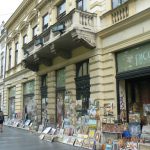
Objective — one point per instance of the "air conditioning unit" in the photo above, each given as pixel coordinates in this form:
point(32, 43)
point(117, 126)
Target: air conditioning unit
point(39, 41)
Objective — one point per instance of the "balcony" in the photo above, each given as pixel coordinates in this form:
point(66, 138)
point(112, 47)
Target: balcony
point(118, 14)
point(76, 29)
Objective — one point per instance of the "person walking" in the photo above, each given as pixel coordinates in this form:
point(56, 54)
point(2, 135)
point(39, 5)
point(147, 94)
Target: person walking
point(1, 121)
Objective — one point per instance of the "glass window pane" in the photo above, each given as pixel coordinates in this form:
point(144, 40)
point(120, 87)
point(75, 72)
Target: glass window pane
point(85, 69)
point(60, 78)
point(116, 3)
point(45, 19)
point(29, 88)
point(61, 8)
point(80, 5)
point(12, 92)
point(25, 39)
point(80, 72)
point(35, 31)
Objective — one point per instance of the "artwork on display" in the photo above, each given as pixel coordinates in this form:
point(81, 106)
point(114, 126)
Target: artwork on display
point(27, 123)
point(65, 139)
point(135, 117)
point(108, 147)
point(59, 109)
point(92, 123)
point(112, 120)
point(41, 127)
point(47, 130)
point(146, 109)
point(71, 140)
point(61, 132)
point(108, 109)
point(91, 133)
point(78, 142)
point(78, 105)
point(66, 123)
point(135, 129)
point(115, 145)
point(104, 120)
point(86, 143)
point(132, 145)
point(42, 136)
point(52, 131)
point(98, 136)
point(91, 144)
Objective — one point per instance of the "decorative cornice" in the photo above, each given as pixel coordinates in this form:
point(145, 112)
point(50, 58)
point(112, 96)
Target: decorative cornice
point(17, 12)
point(16, 74)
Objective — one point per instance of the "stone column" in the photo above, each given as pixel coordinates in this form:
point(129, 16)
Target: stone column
point(18, 100)
point(70, 80)
point(37, 98)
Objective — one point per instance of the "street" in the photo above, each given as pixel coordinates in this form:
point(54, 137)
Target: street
point(18, 139)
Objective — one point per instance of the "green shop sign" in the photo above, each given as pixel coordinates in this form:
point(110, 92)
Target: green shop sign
point(134, 58)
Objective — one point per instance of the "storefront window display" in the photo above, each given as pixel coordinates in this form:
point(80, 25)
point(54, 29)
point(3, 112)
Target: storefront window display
point(28, 101)
point(60, 95)
point(44, 100)
point(82, 86)
point(12, 93)
point(133, 84)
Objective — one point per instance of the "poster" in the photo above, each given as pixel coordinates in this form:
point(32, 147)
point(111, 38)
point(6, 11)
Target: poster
point(108, 109)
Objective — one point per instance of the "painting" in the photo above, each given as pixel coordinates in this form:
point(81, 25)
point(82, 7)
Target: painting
point(108, 109)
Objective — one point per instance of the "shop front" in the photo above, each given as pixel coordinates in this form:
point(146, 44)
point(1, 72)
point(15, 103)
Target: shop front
point(60, 95)
point(44, 99)
point(133, 86)
point(11, 104)
point(28, 101)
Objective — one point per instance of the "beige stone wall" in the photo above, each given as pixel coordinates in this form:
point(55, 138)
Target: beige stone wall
point(102, 80)
point(70, 74)
point(37, 97)
point(17, 81)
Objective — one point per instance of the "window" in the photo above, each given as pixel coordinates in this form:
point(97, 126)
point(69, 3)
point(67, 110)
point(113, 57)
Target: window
point(35, 31)
point(45, 21)
point(2, 61)
point(9, 63)
point(82, 5)
point(25, 39)
point(44, 99)
point(61, 9)
point(16, 53)
point(83, 85)
point(116, 3)
point(60, 95)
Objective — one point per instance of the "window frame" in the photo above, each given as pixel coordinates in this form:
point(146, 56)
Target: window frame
point(25, 37)
point(60, 15)
point(16, 52)
point(45, 26)
point(77, 2)
point(9, 61)
point(34, 31)
point(83, 86)
point(2, 62)
point(117, 4)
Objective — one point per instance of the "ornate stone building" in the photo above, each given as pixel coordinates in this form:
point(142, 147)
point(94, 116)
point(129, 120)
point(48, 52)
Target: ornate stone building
point(58, 48)
point(2, 63)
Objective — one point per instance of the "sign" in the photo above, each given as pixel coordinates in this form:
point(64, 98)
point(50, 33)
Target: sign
point(58, 28)
point(134, 58)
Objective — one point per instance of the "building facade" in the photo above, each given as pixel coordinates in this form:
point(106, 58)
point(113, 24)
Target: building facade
point(125, 51)
point(68, 49)
point(2, 63)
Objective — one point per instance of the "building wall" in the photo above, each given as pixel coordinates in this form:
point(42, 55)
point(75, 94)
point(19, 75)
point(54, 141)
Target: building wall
point(2, 63)
point(111, 38)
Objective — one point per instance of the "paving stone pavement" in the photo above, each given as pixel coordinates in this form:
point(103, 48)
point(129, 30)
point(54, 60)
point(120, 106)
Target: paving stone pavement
point(18, 139)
